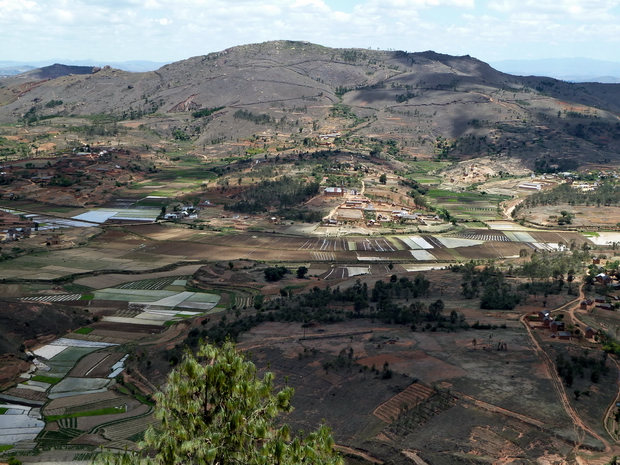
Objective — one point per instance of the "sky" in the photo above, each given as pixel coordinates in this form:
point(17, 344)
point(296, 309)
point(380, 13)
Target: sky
point(173, 30)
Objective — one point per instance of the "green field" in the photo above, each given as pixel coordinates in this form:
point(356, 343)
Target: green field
point(91, 413)
point(84, 330)
point(73, 354)
point(467, 205)
point(46, 379)
point(424, 166)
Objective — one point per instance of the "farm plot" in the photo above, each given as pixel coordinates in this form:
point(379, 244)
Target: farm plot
point(155, 284)
point(416, 242)
point(132, 295)
point(133, 409)
point(200, 301)
point(160, 299)
point(340, 272)
point(68, 405)
point(77, 260)
point(454, 242)
point(18, 423)
point(565, 237)
point(484, 236)
point(53, 298)
point(325, 245)
point(121, 430)
point(519, 236)
point(115, 280)
point(67, 349)
point(422, 255)
point(507, 226)
point(403, 401)
point(487, 250)
point(604, 238)
point(467, 205)
point(78, 386)
point(96, 365)
point(101, 215)
point(158, 312)
point(375, 245)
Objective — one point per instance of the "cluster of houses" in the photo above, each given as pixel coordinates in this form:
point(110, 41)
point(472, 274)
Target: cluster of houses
point(186, 211)
point(384, 211)
point(598, 302)
point(15, 234)
point(556, 328)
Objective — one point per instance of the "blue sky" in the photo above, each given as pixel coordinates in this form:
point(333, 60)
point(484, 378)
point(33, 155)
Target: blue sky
point(171, 30)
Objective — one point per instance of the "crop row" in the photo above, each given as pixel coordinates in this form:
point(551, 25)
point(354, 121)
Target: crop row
point(155, 284)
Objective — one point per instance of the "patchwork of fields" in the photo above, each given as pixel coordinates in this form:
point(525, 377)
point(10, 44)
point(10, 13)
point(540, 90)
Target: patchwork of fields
point(71, 396)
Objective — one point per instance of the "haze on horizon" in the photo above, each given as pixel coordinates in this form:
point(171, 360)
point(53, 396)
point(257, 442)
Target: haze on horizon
point(172, 30)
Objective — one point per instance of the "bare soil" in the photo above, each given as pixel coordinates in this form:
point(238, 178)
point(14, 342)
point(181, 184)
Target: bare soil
point(584, 216)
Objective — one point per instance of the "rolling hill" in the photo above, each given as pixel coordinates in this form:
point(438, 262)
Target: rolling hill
point(427, 102)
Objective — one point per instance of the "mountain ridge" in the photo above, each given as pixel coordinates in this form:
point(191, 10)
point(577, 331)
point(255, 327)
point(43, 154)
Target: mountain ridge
point(415, 98)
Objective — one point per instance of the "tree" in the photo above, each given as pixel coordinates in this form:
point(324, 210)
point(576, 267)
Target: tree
point(301, 272)
point(275, 273)
point(383, 179)
point(214, 409)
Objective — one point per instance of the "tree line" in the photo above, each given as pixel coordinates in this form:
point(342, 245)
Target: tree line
point(488, 282)
point(283, 194)
point(607, 194)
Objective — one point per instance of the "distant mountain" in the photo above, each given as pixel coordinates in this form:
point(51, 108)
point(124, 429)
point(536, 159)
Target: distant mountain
point(566, 69)
point(14, 70)
point(55, 71)
point(9, 68)
point(431, 104)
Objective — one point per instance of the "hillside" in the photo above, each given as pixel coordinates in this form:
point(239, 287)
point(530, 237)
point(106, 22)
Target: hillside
point(427, 102)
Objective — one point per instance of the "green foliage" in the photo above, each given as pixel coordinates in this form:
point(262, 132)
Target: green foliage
point(261, 118)
point(53, 103)
point(179, 134)
point(400, 98)
point(283, 193)
point(206, 112)
point(214, 409)
point(275, 273)
point(340, 110)
point(496, 294)
point(577, 365)
point(607, 194)
point(60, 180)
point(353, 55)
point(302, 271)
point(544, 265)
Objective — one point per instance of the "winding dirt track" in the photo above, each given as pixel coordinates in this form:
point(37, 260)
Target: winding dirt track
point(581, 427)
point(610, 409)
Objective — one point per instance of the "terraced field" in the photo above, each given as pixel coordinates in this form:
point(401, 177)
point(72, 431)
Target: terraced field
point(403, 401)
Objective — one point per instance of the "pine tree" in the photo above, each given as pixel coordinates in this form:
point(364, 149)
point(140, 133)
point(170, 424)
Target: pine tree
point(215, 410)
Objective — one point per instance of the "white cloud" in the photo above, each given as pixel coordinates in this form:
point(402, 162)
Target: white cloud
point(140, 29)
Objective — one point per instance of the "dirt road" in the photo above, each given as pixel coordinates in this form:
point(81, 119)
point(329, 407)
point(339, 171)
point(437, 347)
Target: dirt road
point(581, 427)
